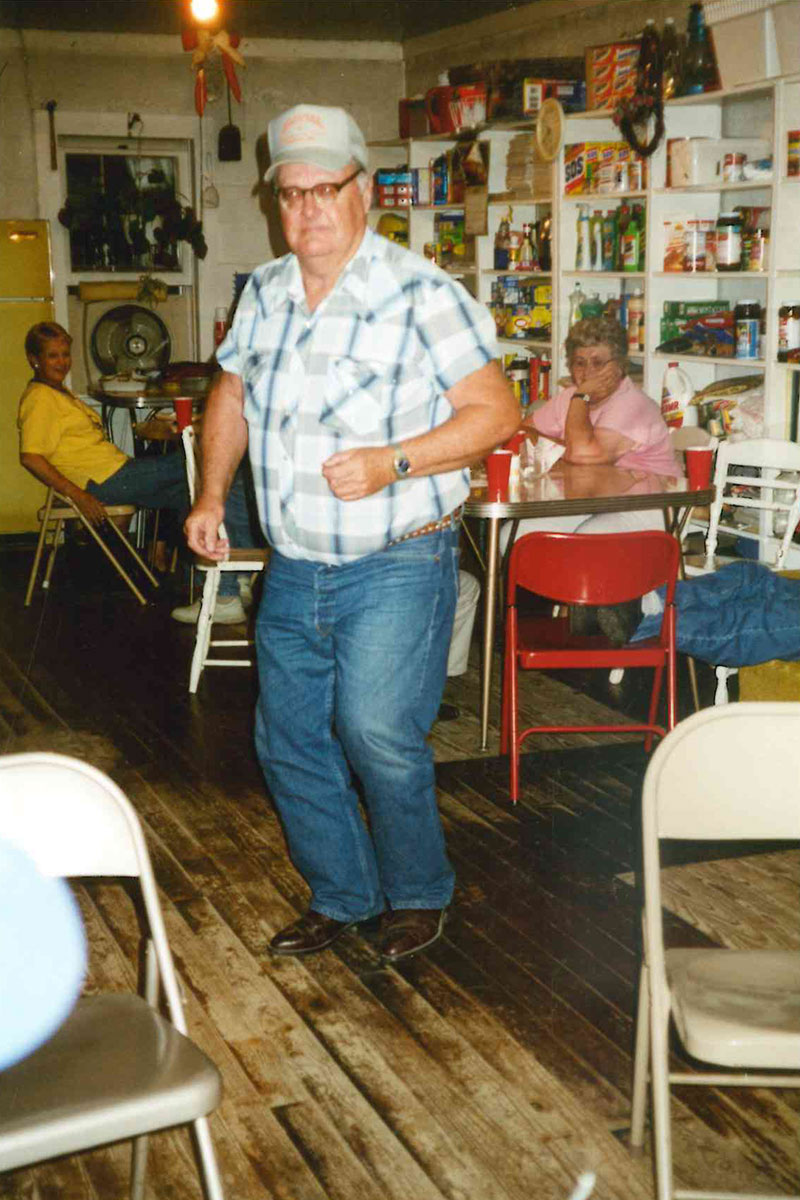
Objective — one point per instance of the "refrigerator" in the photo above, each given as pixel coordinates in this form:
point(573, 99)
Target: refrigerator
point(26, 296)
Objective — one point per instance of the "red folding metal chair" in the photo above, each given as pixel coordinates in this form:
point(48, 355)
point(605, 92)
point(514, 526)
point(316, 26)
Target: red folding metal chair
point(580, 568)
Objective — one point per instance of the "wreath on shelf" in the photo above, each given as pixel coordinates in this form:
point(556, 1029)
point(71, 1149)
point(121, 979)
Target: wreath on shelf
point(633, 115)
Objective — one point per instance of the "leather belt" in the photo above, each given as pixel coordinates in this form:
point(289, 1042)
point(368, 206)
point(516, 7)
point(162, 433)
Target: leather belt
point(452, 518)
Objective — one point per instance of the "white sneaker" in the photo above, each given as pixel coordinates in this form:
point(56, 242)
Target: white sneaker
point(228, 610)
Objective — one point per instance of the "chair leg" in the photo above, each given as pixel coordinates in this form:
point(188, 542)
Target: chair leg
point(37, 558)
point(139, 1166)
point(208, 1160)
point(722, 674)
point(58, 533)
point(204, 621)
point(641, 1062)
point(116, 565)
point(659, 1070)
point(126, 542)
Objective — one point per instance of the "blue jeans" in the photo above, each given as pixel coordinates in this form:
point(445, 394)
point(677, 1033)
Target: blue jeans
point(153, 481)
point(352, 663)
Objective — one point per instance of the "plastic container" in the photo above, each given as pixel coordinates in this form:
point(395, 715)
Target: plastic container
point(636, 323)
point(729, 242)
point(583, 249)
point(676, 398)
point(747, 315)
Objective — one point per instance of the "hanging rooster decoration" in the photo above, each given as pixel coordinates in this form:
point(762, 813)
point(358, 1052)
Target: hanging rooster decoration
point(203, 44)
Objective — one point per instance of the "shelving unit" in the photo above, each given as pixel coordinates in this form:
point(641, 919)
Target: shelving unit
point(532, 205)
point(767, 110)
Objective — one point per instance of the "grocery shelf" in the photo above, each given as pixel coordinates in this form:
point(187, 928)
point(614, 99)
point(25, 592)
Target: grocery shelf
point(709, 360)
point(603, 274)
point(745, 185)
point(517, 274)
point(756, 276)
point(596, 197)
point(525, 343)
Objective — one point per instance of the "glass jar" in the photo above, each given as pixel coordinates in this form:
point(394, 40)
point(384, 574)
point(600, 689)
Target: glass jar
point(729, 242)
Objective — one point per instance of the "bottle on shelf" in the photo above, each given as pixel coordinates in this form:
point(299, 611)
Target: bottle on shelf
point(502, 242)
point(623, 217)
point(610, 238)
point(593, 306)
point(635, 309)
point(676, 398)
point(631, 244)
point(728, 241)
point(788, 330)
point(583, 249)
point(528, 258)
point(650, 62)
point(672, 51)
point(543, 240)
point(577, 299)
point(699, 67)
point(747, 315)
point(596, 239)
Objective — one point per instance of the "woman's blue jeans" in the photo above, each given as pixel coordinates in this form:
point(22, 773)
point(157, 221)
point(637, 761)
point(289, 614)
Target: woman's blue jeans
point(352, 663)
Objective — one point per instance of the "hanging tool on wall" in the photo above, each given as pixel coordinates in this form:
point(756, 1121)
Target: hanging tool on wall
point(51, 116)
point(229, 144)
point(203, 43)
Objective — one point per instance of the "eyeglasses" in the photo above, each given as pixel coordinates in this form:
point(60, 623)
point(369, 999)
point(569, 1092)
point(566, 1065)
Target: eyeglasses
point(591, 364)
point(325, 194)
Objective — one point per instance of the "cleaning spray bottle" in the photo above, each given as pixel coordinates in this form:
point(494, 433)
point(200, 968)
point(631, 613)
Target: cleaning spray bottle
point(583, 251)
point(577, 299)
point(676, 398)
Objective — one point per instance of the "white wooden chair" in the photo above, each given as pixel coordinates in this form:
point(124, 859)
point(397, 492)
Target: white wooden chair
point(116, 1069)
point(722, 774)
point(59, 509)
point(750, 517)
point(239, 559)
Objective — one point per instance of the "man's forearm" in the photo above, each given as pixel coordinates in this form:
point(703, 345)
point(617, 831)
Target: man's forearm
point(224, 437)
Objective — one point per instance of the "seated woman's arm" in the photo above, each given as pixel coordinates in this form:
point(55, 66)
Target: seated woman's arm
point(47, 474)
point(587, 443)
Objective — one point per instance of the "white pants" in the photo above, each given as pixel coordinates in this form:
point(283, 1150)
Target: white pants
point(623, 522)
point(469, 591)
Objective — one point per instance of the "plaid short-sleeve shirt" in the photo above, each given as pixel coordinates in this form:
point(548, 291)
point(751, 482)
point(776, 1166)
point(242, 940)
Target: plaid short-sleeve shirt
point(369, 367)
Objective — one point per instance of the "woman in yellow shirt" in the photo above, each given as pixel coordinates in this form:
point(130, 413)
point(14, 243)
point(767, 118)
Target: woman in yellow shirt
point(63, 444)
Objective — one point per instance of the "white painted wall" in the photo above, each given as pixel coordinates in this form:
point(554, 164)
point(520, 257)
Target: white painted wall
point(98, 79)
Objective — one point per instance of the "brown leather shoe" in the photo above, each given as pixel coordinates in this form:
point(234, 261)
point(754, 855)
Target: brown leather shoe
point(308, 934)
point(409, 930)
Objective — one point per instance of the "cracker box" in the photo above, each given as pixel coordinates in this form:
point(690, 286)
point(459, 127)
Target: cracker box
point(610, 73)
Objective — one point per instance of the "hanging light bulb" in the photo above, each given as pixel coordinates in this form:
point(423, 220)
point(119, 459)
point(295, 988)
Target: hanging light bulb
point(204, 10)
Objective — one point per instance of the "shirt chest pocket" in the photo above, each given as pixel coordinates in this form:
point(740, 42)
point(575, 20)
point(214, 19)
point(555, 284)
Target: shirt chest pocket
point(365, 397)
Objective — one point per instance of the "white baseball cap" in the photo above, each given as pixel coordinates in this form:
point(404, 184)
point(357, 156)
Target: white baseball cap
point(324, 137)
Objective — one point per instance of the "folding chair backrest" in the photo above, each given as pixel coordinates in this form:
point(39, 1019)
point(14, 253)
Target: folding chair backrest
point(770, 456)
point(730, 772)
point(588, 568)
point(74, 821)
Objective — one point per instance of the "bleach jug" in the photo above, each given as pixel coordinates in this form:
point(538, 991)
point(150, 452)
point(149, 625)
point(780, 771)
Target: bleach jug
point(676, 398)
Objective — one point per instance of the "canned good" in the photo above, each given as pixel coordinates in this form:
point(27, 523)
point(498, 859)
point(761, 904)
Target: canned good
point(621, 183)
point(635, 175)
point(747, 315)
point(793, 152)
point(733, 167)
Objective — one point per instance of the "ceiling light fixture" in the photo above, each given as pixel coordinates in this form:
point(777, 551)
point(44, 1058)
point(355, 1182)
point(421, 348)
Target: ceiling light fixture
point(204, 11)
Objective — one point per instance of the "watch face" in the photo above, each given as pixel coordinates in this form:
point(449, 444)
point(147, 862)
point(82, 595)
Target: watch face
point(401, 465)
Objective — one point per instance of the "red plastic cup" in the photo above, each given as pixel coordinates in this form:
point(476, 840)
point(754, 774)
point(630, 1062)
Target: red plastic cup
point(698, 467)
point(498, 471)
point(183, 411)
point(515, 441)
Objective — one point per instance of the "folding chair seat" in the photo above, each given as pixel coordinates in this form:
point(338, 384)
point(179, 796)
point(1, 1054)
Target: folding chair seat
point(745, 507)
point(723, 774)
point(581, 568)
point(59, 509)
point(116, 1069)
point(239, 559)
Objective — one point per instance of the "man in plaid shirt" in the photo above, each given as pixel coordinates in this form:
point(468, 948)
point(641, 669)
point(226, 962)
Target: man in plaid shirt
point(363, 379)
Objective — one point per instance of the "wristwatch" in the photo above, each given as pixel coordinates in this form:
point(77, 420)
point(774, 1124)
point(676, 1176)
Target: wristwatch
point(587, 399)
point(402, 467)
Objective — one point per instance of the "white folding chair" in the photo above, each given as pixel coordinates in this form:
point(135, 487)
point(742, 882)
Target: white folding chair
point(56, 511)
point(750, 516)
point(724, 773)
point(239, 559)
point(116, 1069)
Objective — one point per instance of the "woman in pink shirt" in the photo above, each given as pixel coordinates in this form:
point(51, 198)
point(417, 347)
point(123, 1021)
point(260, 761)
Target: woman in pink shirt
point(603, 419)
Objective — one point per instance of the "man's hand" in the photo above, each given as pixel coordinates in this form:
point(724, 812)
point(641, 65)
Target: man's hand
point(90, 506)
point(202, 530)
point(353, 474)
